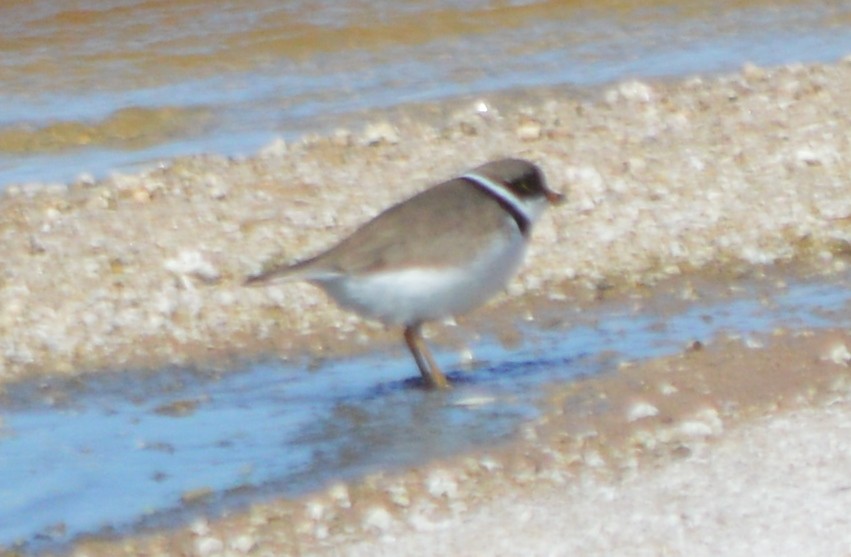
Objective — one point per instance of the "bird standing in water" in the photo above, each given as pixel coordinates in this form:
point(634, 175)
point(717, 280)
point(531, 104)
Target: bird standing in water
point(440, 253)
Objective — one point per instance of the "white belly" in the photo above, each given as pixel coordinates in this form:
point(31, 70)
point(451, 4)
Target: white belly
point(425, 294)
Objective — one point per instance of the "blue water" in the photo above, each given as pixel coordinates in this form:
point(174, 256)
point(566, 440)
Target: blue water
point(119, 450)
point(251, 93)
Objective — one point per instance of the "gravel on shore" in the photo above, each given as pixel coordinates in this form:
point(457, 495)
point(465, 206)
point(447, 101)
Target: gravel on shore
point(146, 270)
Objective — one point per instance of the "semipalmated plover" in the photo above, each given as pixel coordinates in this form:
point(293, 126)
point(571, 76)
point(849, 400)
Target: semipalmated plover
point(440, 253)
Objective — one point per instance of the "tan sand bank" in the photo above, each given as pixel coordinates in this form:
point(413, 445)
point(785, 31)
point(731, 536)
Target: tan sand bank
point(146, 270)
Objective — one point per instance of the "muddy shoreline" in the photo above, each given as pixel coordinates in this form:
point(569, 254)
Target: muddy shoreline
point(665, 180)
point(596, 436)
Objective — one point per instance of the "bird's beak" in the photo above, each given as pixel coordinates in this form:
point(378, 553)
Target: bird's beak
point(554, 197)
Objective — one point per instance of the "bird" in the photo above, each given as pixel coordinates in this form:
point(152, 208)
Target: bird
point(440, 253)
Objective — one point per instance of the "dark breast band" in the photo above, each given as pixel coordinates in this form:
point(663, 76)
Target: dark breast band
point(516, 213)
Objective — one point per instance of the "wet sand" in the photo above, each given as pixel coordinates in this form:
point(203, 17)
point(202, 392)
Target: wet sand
point(665, 179)
point(746, 465)
point(720, 449)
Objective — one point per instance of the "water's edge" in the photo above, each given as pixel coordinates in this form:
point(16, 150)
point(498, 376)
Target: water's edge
point(141, 449)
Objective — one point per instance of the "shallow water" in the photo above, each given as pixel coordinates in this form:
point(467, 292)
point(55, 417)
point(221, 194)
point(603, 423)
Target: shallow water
point(91, 86)
point(124, 450)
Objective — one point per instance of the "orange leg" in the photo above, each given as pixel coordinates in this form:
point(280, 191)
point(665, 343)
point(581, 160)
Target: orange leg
point(434, 378)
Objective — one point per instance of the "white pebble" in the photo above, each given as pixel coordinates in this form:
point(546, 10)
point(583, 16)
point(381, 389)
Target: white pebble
point(208, 546)
point(340, 494)
point(86, 178)
point(380, 132)
point(440, 483)
point(191, 262)
point(377, 519)
point(243, 544)
point(705, 423)
point(216, 187)
point(668, 389)
point(481, 106)
point(694, 428)
point(807, 156)
point(466, 357)
point(489, 464)
point(754, 343)
point(315, 509)
point(838, 354)
point(636, 91)
point(639, 410)
point(276, 148)
point(200, 527)
point(399, 495)
point(529, 131)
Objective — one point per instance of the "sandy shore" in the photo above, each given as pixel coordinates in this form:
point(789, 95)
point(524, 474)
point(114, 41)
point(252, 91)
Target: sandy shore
point(146, 270)
point(663, 180)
